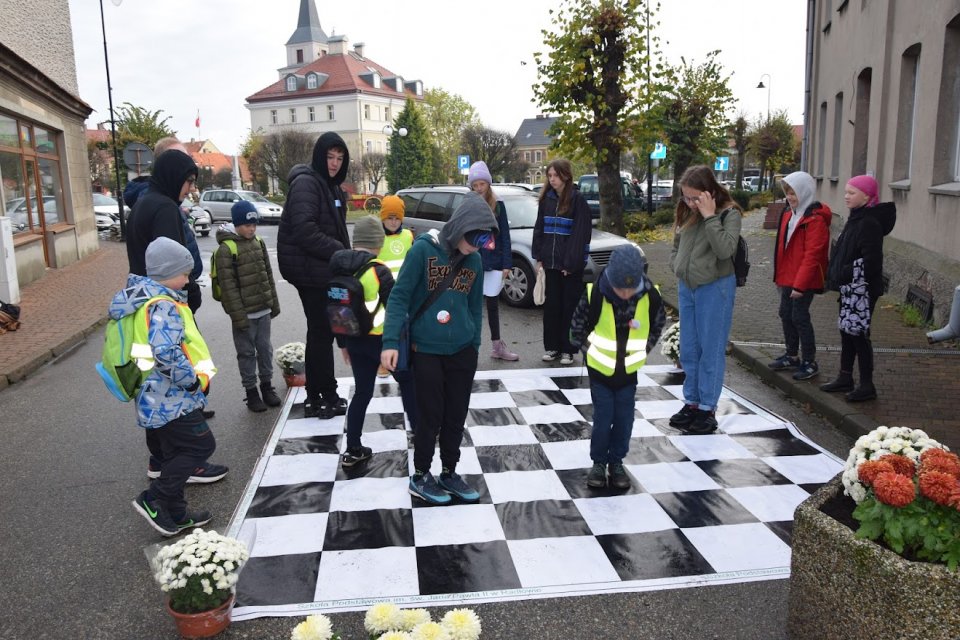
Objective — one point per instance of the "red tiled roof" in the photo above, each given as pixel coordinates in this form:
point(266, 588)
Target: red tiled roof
point(220, 161)
point(193, 147)
point(98, 135)
point(798, 131)
point(343, 73)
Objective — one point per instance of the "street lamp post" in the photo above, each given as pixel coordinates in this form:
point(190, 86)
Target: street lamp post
point(113, 127)
point(402, 132)
point(767, 87)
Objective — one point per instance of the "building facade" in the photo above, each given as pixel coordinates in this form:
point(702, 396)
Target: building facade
point(328, 86)
point(44, 172)
point(885, 100)
point(533, 144)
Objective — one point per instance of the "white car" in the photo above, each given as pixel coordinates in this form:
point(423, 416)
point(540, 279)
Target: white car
point(107, 211)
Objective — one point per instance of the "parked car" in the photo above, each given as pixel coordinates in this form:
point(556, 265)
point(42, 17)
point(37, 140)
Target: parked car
point(217, 202)
point(590, 189)
point(430, 208)
point(17, 212)
point(199, 219)
point(662, 194)
point(106, 210)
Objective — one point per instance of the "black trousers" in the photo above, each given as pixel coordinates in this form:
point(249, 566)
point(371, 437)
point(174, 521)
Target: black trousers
point(185, 444)
point(318, 360)
point(859, 349)
point(443, 385)
point(562, 295)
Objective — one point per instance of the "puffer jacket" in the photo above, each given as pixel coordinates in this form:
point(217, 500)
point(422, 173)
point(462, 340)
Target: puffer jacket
point(500, 257)
point(313, 225)
point(801, 262)
point(556, 243)
point(170, 390)
point(246, 283)
point(703, 251)
point(862, 237)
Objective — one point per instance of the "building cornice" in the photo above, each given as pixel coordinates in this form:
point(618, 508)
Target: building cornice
point(32, 79)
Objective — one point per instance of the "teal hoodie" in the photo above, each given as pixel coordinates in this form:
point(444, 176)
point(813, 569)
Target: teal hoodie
point(455, 319)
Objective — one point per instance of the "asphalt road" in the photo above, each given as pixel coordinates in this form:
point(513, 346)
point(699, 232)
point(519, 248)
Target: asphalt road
point(73, 550)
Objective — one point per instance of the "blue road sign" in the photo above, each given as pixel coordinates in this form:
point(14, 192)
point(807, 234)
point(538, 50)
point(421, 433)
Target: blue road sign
point(463, 162)
point(659, 152)
point(722, 164)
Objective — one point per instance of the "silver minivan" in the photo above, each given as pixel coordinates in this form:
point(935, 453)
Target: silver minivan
point(218, 202)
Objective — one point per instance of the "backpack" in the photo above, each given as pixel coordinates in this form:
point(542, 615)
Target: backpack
point(346, 307)
point(214, 280)
point(117, 368)
point(741, 259)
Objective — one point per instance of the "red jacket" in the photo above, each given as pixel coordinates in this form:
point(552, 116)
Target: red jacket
point(802, 262)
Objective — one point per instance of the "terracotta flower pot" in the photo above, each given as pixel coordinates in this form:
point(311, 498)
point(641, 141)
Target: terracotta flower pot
point(295, 379)
point(205, 624)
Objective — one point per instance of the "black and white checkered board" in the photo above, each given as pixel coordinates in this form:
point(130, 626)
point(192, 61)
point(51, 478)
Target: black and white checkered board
point(703, 509)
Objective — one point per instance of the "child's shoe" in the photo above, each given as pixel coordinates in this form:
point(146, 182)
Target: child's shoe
point(618, 476)
point(866, 391)
point(452, 483)
point(156, 514)
point(254, 403)
point(550, 356)
point(425, 487)
point(683, 417)
point(311, 407)
point(194, 519)
point(208, 473)
point(500, 352)
point(597, 477)
point(269, 394)
point(843, 382)
point(335, 406)
point(806, 370)
point(566, 359)
point(383, 372)
point(351, 457)
point(785, 362)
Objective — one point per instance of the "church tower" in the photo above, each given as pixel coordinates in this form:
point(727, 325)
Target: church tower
point(308, 42)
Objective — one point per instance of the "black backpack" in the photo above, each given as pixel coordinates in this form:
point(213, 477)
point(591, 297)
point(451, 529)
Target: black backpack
point(741, 259)
point(346, 308)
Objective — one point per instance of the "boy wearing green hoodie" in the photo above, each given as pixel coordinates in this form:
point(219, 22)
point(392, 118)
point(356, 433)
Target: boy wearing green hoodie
point(445, 340)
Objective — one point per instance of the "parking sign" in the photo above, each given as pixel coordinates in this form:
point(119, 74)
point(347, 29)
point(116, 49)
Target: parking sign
point(463, 162)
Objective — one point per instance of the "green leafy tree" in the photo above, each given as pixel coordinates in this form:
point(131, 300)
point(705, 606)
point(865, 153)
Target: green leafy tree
point(446, 116)
point(248, 149)
point(497, 148)
point(223, 178)
point(598, 62)
point(738, 133)
point(410, 159)
point(136, 124)
point(100, 159)
point(771, 141)
point(691, 111)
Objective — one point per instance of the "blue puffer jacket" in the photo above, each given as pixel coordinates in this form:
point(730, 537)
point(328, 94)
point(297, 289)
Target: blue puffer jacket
point(164, 395)
point(501, 256)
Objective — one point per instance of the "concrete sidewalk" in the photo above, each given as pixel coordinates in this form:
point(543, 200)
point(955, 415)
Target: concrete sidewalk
point(917, 383)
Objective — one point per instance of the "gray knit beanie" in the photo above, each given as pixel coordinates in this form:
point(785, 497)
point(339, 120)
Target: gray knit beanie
point(167, 258)
point(626, 267)
point(368, 233)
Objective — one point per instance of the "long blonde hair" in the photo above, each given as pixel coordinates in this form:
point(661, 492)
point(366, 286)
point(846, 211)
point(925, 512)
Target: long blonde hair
point(701, 178)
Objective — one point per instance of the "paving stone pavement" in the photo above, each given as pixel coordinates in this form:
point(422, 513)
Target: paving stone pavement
point(917, 383)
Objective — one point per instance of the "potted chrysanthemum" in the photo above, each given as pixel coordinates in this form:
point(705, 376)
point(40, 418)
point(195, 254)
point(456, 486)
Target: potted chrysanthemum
point(886, 530)
point(387, 621)
point(199, 573)
point(670, 344)
point(291, 360)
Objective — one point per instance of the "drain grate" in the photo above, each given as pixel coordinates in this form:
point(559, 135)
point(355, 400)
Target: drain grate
point(922, 300)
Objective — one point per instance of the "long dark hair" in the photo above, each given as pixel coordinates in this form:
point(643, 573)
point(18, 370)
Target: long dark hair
point(563, 169)
point(701, 178)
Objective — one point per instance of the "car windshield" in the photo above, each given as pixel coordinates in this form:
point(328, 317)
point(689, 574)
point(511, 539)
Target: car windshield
point(100, 200)
point(521, 210)
point(252, 197)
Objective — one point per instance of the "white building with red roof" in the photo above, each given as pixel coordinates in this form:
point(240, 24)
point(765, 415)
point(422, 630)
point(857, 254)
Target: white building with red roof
point(327, 86)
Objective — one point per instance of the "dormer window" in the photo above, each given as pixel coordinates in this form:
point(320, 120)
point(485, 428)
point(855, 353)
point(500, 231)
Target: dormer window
point(291, 83)
point(312, 81)
point(376, 80)
point(419, 90)
point(399, 84)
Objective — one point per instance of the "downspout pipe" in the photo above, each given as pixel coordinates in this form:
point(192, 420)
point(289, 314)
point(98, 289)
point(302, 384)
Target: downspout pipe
point(808, 85)
point(952, 330)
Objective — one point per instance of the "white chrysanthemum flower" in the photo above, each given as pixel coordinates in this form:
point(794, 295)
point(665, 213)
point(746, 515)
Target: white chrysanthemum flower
point(409, 618)
point(429, 631)
point(462, 624)
point(315, 627)
point(382, 617)
point(395, 635)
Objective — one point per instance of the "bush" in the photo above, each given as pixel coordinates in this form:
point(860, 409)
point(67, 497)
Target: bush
point(665, 214)
point(760, 200)
point(741, 197)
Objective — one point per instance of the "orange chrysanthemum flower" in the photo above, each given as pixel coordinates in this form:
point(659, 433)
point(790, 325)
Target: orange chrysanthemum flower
point(939, 486)
point(893, 489)
point(868, 470)
point(901, 464)
point(942, 461)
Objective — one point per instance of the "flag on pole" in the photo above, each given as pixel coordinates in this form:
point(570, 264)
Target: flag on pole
point(197, 123)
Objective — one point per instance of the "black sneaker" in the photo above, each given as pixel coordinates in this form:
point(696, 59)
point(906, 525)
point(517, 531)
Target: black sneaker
point(351, 457)
point(311, 407)
point(254, 402)
point(194, 519)
point(806, 370)
point(784, 362)
point(331, 408)
point(208, 473)
point(452, 483)
point(270, 396)
point(156, 515)
point(597, 477)
point(618, 476)
point(704, 422)
point(208, 414)
point(425, 487)
point(683, 417)
point(550, 356)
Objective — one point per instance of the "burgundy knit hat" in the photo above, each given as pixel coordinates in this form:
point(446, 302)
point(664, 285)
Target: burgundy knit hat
point(869, 187)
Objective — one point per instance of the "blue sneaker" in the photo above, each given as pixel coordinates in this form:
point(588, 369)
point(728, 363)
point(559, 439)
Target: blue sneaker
point(451, 482)
point(806, 370)
point(425, 487)
point(785, 362)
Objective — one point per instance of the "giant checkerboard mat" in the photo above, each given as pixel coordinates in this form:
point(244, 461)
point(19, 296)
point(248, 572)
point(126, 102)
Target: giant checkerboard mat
point(703, 509)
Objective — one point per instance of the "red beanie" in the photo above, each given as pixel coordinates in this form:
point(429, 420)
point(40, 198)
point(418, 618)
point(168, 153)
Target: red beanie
point(868, 185)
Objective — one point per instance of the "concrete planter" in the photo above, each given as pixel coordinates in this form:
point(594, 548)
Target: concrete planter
point(844, 587)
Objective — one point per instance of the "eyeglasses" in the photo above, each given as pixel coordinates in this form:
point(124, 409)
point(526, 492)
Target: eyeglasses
point(690, 200)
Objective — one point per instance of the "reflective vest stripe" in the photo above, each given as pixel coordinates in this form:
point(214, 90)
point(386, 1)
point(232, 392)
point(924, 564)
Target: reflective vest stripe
point(193, 345)
point(395, 248)
point(602, 352)
point(371, 298)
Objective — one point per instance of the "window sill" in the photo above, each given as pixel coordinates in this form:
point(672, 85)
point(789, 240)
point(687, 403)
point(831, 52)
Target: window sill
point(834, 179)
point(25, 237)
point(826, 28)
point(901, 185)
point(946, 189)
point(60, 227)
point(818, 178)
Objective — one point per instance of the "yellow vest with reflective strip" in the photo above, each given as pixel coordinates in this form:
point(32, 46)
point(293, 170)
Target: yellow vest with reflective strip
point(193, 344)
point(602, 352)
point(371, 298)
point(395, 249)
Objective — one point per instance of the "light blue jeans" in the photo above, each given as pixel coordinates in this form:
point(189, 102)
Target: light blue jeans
point(706, 314)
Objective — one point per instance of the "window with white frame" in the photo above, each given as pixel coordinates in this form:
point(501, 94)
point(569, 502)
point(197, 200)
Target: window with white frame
point(399, 84)
point(330, 112)
point(822, 139)
point(376, 80)
point(312, 81)
point(311, 114)
point(273, 116)
point(386, 114)
point(293, 116)
point(369, 146)
point(946, 166)
point(526, 156)
point(291, 83)
point(906, 113)
point(538, 156)
point(366, 112)
point(837, 131)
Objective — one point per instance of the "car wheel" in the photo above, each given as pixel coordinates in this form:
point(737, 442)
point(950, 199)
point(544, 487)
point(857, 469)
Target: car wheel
point(518, 285)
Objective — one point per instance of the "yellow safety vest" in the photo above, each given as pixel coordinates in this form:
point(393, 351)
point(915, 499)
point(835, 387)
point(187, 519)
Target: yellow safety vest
point(602, 352)
point(395, 249)
point(371, 298)
point(193, 344)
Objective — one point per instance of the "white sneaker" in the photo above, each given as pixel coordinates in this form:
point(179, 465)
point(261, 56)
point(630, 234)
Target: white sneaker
point(566, 359)
point(550, 356)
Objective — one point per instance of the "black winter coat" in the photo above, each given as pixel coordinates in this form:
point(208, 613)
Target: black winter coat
point(862, 237)
point(556, 250)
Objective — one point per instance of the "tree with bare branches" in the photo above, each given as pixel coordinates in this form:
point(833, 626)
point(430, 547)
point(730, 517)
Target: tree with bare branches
point(375, 168)
point(276, 153)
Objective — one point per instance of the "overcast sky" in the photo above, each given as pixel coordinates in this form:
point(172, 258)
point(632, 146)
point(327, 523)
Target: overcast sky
point(181, 56)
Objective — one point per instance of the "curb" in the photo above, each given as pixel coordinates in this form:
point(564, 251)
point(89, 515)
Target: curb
point(31, 364)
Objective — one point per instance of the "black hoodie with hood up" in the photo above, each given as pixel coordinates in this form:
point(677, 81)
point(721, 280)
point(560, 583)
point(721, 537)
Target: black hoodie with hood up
point(313, 225)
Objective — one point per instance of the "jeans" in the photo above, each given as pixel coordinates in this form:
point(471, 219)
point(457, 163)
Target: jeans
point(365, 360)
point(797, 327)
point(318, 359)
point(254, 351)
point(443, 386)
point(706, 314)
point(562, 295)
point(613, 413)
point(185, 444)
